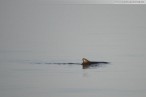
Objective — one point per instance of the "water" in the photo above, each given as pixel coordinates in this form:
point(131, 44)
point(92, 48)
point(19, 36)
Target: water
point(27, 74)
point(34, 34)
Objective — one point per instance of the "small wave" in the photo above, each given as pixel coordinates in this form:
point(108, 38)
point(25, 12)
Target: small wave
point(95, 65)
point(65, 63)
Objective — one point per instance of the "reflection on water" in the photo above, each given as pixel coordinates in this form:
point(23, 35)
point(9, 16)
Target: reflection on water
point(39, 78)
point(86, 66)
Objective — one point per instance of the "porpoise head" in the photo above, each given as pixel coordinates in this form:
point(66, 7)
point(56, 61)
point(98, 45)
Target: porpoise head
point(85, 61)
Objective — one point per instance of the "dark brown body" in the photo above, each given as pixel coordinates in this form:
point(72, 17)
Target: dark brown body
point(86, 63)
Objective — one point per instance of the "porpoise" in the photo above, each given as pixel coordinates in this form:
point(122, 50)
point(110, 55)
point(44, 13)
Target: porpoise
point(86, 63)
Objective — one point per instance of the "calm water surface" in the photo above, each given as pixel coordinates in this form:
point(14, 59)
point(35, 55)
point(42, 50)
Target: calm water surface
point(27, 74)
point(33, 34)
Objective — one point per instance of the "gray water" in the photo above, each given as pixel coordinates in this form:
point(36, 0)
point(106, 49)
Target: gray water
point(27, 74)
point(34, 34)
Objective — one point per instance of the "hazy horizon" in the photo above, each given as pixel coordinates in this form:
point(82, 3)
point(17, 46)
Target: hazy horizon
point(63, 28)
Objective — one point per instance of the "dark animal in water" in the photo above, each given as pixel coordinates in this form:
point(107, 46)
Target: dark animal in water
point(86, 63)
